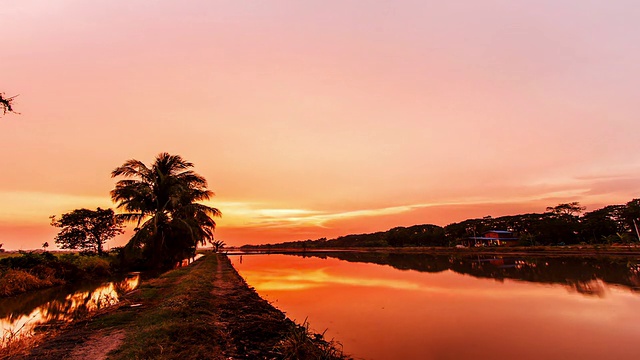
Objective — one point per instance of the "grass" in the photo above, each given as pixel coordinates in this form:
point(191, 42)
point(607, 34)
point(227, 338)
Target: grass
point(14, 282)
point(14, 346)
point(28, 271)
point(172, 308)
point(302, 343)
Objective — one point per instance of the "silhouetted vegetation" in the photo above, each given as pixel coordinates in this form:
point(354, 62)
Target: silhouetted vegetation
point(36, 270)
point(163, 201)
point(559, 225)
point(86, 229)
point(6, 104)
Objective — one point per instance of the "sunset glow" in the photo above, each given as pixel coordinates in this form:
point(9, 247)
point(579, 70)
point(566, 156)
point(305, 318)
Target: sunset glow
point(321, 118)
point(380, 312)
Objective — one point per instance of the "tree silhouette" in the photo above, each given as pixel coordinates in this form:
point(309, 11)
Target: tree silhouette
point(6, 104)
point(218, 245)
point(86, 229)
point(163, 201)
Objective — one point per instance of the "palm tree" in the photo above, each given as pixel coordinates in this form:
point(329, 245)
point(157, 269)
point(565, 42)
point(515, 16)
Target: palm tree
point(163, 200)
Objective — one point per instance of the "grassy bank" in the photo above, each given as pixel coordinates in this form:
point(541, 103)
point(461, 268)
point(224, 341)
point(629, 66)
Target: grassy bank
point(29, 271)
point(203, 311)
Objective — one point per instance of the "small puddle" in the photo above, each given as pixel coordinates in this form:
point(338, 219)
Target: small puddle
point(21, 315)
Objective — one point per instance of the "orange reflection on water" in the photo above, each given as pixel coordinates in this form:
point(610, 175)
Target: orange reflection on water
point(21, 319)
point(379, 312)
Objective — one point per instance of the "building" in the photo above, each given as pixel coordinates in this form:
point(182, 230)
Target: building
point(493, 238)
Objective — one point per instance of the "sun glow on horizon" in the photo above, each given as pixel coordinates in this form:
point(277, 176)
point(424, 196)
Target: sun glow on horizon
point(309, 124)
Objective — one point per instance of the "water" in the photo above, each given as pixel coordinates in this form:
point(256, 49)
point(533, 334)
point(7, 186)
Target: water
point(21, 315)
point(408, 306)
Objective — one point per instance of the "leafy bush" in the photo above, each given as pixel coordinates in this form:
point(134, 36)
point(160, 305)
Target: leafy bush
point(90, 265)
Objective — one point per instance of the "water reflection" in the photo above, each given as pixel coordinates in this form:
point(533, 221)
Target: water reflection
point(584, 275)
point(21, 315)
point(425, 307)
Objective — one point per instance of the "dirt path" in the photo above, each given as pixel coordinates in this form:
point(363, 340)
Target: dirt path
point(98, 345)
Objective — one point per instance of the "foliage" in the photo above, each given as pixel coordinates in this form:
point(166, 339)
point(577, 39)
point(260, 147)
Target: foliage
point(163, 201)
point(572, 208)
point(97, 266)
point(87, 229)
point(35, 270)
point(218, 245)
point(6, 104)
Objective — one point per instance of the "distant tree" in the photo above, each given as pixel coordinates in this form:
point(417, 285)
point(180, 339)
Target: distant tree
point(632, 216)
point(597, 225)
point(1, 249)
point(572, 208)
point(86, 229)
point(218, 245)
point(6, 104)
point(45, 245)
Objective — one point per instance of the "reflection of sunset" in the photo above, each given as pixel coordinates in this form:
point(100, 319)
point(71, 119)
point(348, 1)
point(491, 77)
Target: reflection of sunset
point(294, 279)
point(74, 305)
point(378, 312)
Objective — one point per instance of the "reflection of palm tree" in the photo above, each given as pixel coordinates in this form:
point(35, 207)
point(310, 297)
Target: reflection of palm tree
point(165, 197)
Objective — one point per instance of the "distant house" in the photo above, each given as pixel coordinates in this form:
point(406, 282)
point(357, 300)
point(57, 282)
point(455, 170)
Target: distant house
point(493, 238)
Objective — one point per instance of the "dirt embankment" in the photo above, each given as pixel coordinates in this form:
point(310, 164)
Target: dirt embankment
point(203, 311)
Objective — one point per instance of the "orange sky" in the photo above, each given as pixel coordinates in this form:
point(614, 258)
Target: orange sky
point(321, 118)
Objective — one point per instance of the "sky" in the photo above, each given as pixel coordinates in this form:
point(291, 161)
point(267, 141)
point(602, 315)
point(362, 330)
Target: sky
point(317, 119)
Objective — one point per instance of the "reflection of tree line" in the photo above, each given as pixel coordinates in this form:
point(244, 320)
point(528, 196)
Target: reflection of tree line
point(65, 303)
point(581, 274)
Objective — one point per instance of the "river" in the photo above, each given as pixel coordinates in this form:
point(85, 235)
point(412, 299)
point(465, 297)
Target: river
point(417, 306)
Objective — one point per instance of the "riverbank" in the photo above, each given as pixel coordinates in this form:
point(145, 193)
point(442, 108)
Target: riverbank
point(28, 271)
point(573, 250)
point(205, 310)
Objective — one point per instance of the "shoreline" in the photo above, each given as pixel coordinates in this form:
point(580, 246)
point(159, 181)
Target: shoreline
point(573, 250)
point(205, 310)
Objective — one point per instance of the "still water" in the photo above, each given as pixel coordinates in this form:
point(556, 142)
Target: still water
point(21, 315)
point(417, 306)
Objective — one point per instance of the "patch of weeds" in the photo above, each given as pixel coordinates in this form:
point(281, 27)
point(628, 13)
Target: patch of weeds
point(302, 343)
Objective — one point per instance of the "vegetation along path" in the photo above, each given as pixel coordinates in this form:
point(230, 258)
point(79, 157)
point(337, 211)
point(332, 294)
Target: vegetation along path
point(205, 311)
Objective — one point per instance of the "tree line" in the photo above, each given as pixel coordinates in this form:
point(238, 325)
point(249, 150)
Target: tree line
point(563, 224)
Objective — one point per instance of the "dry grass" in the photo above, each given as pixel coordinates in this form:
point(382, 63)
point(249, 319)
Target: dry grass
point(17, 345)
point(14, 282)
point(302, 343)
